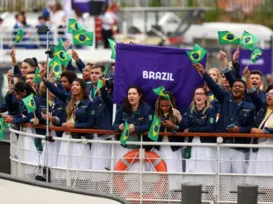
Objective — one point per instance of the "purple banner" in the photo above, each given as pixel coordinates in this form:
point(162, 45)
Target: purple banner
point(151, 67)
point(264, 64)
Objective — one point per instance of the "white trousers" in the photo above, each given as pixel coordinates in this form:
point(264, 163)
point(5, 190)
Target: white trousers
point(232, 161)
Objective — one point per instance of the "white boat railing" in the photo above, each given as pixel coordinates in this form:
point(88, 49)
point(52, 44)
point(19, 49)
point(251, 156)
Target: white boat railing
point(141, 184)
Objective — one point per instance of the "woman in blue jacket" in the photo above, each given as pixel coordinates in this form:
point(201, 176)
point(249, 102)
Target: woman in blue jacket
point(138, 115)
point(80, 113)
point(56, 117)
point(170, 121)
point(26, 150)
point(200, 117)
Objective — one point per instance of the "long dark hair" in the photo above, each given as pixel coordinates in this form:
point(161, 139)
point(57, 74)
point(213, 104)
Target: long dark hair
point(22, 86)
point(83, 95)
point(159, 113)
point(126, 102)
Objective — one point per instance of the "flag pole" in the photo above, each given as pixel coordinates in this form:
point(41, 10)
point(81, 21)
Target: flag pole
point(238, 47)
point(47, 107)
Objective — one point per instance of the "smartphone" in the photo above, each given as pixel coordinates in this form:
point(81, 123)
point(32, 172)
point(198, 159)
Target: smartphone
point(230, 126)
point(12, 81)
point(44, 110)
point(11, 69)
point(163, 119)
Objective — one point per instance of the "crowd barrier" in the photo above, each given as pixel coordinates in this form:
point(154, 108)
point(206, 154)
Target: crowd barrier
point(139, 176)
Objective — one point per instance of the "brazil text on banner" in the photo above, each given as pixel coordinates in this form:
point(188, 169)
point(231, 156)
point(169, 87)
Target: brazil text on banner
point(151, 67)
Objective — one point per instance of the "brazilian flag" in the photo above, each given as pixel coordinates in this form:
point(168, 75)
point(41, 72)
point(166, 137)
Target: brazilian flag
point(226, 37)
point(113, 48)
point(56, 67)
point(256, 54)
point(248, 40)
point(19, 36)
point(197, 54)
point(105, 71)
point(30, 103)
point(100, 84)
point(83, 37)
point(37, 77)
point(154, 129)
point(160, 91)
point(73, 25)
point(62, 54)
point(2, 128)
point(60, 42)
point(125, 134)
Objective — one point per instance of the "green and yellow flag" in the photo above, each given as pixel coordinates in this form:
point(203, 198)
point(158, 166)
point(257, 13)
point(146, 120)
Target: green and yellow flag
point(73, 25)
point(256, 54)
point(37, 77)
point(249, 40)
point(154, 129)
point(197, 54)
point(56, 67)
point(105, 70)
point(160, 91)
point(30, 103)
point(83, 37)
point(62, 54)
point(113, 48)
point(100, 84)
point(226, 37)
point(125, 134)
point(60, 42)
point(19, 36)
point(2, 128)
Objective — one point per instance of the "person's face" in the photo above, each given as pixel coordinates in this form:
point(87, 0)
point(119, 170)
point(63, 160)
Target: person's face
point(133, 96)
point(86, 73)
point(30, 79)
point(225, 81)
point(113, 67)
point(213, 75)
point(269, 98)
point(76, 88)
point(200, 97)
point(95, 75)
point(20, 18)
point(65, 83)
point(20, 95)
point(238, 90)
point(42, 21)
point(25, 68)
point(256, 80)
point(165, 106)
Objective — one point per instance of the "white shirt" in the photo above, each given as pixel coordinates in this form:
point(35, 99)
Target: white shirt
point(107, 21)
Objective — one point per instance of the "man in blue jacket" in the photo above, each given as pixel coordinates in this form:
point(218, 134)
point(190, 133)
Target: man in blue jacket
point(236, 116)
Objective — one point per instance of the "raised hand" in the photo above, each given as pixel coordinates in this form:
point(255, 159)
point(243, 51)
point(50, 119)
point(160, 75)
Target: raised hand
point(246, 72)
point(67, 44)
point(12, 56)
point(75, 55)
point(199, 67)
point(236, 56)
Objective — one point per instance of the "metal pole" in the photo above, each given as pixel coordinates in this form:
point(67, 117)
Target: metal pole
point(47, 109)
point(219, 141)
point(113, 148)
point(141, 154)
